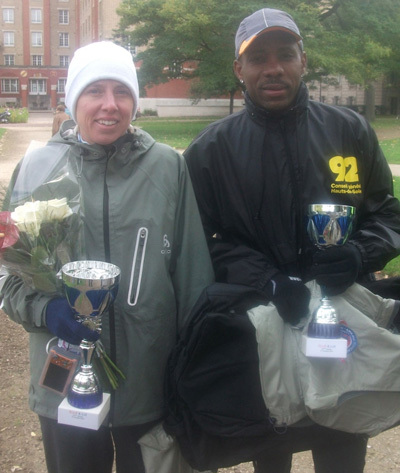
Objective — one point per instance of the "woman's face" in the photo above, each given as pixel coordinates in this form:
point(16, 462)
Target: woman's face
point(104, 111)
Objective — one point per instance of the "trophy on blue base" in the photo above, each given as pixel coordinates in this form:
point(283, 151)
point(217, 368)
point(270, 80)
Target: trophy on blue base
point(90, 287)
point(328, 225)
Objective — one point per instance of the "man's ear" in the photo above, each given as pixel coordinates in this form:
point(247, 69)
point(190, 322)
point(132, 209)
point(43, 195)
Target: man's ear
point(237, 69)
point(304, 61)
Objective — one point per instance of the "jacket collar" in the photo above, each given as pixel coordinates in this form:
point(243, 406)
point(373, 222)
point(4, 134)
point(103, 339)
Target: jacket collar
point(135, 139)
point(262, 115)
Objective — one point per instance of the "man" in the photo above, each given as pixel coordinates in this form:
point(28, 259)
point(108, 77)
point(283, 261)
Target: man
point(254, 174)
point(60, 116)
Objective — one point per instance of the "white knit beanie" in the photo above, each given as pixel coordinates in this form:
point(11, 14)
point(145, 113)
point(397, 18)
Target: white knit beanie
point(99, 61)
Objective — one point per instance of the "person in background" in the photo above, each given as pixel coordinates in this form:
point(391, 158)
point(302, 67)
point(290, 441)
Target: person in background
point(256, 172)
point(140, 214)
point(59, 117)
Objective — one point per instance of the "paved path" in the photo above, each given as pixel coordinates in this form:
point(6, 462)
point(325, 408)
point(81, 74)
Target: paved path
point(18, 138)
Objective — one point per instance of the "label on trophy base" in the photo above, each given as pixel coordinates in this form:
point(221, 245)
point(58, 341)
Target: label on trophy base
point(324, 347)
point(85, 418)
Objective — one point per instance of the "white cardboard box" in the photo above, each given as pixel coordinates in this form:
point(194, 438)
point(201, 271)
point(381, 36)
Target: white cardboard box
point(324, 347)
point(85, 418)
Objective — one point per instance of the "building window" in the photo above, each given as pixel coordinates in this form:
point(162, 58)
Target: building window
point(8, 38)
point(37, 60)
point(61, 86)
point(9, 60)
point(37, 86)
point(9, 86)
point(64, 61)
point(63, 17)
point(8, 15)
point(36, 15)
point(63, 39)
point(37, 38)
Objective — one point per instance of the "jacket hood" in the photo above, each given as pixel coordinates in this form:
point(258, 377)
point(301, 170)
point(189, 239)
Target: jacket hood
point(137, 139)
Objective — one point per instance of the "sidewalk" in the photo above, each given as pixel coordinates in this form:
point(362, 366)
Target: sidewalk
point(395, 168)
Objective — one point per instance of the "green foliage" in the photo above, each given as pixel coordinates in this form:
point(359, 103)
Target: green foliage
point(356, 38)
point(188, 39)
point(18, 115)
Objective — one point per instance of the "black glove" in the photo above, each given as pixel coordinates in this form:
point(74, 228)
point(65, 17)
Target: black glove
point(290, 296)
point(60, 320)
point(336, 268)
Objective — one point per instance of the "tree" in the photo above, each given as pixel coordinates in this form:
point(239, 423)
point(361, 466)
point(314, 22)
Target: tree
point(177, 34)
point(364, 35)
point(355, 38)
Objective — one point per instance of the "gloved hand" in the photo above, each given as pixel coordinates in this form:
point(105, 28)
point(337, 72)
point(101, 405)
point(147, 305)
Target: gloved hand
point(61, 321)
point(336, 268)
point(290, 296)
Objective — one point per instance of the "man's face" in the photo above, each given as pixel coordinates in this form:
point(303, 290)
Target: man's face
point(271, 68)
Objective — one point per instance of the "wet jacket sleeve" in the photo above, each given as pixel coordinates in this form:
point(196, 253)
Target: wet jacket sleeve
point(192, 268)
point(234, 261)
point(23, 305)
point(377, 233)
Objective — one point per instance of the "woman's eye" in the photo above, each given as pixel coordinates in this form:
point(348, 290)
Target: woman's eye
point(123, 92)
point(93, 91)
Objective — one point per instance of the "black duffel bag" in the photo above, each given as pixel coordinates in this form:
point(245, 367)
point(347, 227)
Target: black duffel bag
point(214, 405)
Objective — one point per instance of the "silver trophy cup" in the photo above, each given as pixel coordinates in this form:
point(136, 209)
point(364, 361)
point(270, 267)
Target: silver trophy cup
point(328, 225)
point(90, 287)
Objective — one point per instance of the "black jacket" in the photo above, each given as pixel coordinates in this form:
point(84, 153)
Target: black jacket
point(254, 174)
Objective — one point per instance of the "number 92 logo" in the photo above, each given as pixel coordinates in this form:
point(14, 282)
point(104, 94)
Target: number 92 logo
point(345, 168)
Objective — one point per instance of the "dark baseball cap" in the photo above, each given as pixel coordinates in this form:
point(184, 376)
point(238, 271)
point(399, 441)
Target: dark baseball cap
point(263, 21)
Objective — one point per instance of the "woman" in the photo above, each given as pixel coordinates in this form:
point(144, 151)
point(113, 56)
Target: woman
point(139, 213)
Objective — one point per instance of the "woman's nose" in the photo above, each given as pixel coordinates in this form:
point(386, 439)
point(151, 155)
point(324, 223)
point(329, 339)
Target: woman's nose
point(109, 101)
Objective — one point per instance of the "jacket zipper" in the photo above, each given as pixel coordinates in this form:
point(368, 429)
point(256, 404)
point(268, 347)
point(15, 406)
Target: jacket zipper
point(137, 266)
point(296, 193)
point(107, 254)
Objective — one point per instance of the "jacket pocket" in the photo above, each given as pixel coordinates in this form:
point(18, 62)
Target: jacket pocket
point(137, 266)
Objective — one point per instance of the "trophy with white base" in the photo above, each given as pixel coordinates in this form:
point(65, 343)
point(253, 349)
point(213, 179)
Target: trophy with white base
point(328, 225)
point(90, 287)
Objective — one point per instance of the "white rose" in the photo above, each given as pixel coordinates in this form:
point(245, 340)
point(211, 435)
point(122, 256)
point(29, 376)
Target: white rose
point(57, 209)
point(27, 217)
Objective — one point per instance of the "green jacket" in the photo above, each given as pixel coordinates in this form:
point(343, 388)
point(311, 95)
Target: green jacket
point(140, 213)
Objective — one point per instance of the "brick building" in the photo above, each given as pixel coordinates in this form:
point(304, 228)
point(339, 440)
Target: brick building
point(39, 37)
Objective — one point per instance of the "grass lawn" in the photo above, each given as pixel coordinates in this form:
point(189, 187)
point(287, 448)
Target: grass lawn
point(391, 149)
point(393, 267)
point(177, 133)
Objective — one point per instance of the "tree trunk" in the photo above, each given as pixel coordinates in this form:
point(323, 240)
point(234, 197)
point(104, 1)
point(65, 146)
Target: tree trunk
point(370, 102)
point(231, 99)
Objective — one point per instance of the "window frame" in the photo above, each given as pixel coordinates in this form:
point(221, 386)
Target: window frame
point(10, 34)
point(9, 81)
point(61, 40)
point(37, 35)
point(9, 20)
point(36, 21)
point(37, 90)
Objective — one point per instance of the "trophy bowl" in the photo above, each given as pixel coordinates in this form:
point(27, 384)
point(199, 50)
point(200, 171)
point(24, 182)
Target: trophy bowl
point(90, 287)
point(328, 225)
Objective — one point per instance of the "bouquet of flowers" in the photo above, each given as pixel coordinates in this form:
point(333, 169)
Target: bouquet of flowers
point(37, 239)
point(39, 236)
